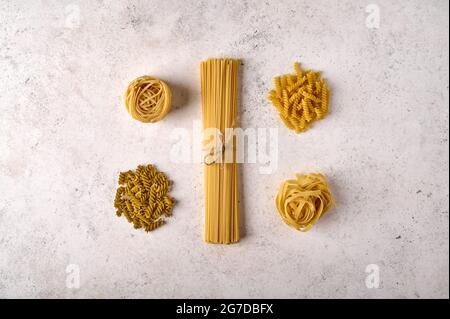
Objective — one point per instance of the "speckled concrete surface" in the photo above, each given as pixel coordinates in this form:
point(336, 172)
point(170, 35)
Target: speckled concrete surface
point(65, 135)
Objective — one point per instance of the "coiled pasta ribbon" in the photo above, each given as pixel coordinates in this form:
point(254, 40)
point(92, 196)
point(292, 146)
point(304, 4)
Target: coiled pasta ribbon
point(303, 201)
point(148, 99)
point(300, 98)
point(142, 197)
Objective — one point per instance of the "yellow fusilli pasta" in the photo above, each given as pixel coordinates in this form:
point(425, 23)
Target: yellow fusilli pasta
point(300, 99)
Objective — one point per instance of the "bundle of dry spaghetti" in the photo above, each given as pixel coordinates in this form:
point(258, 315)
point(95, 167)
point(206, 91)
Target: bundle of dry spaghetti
point(148, 99)
point(219, 86)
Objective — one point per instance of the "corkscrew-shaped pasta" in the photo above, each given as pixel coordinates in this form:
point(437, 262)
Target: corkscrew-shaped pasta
point(303, 201)
point(300, 99)
point(142, 197)
point(148, 99)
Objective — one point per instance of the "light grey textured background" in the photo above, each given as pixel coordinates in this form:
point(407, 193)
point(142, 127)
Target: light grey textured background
point(65, 135)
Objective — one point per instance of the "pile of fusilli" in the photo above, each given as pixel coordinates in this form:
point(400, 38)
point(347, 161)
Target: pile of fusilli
point(300, 98)
point(142, 197)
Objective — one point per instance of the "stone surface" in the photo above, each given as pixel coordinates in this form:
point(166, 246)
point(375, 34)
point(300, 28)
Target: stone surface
point(65, 135)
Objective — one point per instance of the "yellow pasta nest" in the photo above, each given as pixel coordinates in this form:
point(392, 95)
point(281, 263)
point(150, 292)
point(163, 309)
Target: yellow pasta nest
point(302, 201)
point(142, 197)
point(148, 99)
point(300, 98)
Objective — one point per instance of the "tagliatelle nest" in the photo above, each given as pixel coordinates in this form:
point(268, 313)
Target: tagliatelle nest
point(303, 201)
point(148, 99)
point(300, 98)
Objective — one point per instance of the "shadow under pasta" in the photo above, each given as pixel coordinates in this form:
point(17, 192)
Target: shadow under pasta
point(180, 95)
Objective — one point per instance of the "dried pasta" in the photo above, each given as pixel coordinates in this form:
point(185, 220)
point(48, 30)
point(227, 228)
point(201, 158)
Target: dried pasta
point(148, 99)
point(301, 202)
point(219, 87)
point(142, 197)
point(300, 98)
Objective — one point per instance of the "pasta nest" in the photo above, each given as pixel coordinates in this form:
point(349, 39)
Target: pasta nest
point(148, 99)
point(142, 197)
point(300, 98)
point(303, 201)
